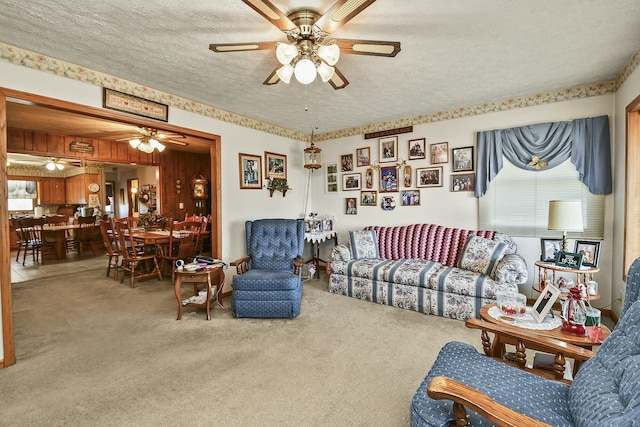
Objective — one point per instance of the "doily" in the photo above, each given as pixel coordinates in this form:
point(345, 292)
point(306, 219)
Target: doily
point(526, 320)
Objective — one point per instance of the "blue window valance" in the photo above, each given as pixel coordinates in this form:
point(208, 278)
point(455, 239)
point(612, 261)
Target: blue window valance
point(586, 141)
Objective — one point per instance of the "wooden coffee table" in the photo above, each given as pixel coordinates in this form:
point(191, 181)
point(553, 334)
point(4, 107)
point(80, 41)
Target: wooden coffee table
point(499, 341)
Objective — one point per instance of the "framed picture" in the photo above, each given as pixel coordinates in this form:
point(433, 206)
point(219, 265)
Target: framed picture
point(388, 203)
point(549, 249)
point(544, 302)
point(120, 101)
point(275, 165)
point(351, 181)
point(363, 156)
point(463, 182)
point(331, 175)
point(327, 224)
point(462, 159)
point(429, 177)
point(590, 252)
point(351, 207)
point(388, 179)
point(369, 178)
point(411, 198)
point(368, 198)
point(250, 167)
point(407, 175)
point(569, 260)
point(416, 149)
point(388, 149)
point(439, 153)
point(347, 162)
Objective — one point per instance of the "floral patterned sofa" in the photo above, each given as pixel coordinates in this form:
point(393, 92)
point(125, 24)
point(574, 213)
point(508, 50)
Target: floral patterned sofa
point(428, 268)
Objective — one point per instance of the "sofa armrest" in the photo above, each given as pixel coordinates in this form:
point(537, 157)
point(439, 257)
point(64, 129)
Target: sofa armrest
point(511, 270)
point(341, 253)
point(298, 262)
point(465, 396)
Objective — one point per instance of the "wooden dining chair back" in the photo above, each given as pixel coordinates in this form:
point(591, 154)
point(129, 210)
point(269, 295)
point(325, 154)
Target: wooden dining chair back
point(86, 235)
point(22, 240)
point(109, 239)
point(181, 245)
point(138, 266)
point(37, 243)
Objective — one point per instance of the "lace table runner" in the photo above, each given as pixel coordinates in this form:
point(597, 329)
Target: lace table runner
point(526, 320)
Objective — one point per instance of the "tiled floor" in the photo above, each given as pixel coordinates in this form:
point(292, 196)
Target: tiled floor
point(73, 263)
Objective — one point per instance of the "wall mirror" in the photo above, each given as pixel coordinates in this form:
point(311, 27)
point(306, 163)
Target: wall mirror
point(134, 187)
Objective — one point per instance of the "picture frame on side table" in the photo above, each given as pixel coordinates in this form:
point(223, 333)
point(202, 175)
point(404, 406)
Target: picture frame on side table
point(545, 301)
point(388, 149)
point(351, 181)
point(462, 159)
point(590, 252)
point(429, 177)
point(549, 249)
point(363, 156)
point(368, 198)
point(439, 153)
point(569, 260)
point(275, 165)
point(331, 177)
point(416, 149)
point(250, 168)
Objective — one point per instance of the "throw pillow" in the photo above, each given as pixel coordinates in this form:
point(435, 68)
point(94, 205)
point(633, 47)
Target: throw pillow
point(481, 255)
point(364, 244)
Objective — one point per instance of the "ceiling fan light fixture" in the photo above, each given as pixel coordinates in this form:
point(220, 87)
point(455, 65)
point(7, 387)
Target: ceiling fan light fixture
point(284, 73)
point(156, 144)
point(134, 143)
point(329, 53)
point(50, 166)
point(305, 71)
point(53, 164)
point(286, 52)
point(146, 147)
point(325, 72)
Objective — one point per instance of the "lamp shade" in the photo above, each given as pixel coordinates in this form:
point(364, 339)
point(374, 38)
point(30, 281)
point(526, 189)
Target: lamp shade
point(286, 52)
point(305, 71)
point(284, 73)
point(330, 53)
point(565, 215)
point(325, 72)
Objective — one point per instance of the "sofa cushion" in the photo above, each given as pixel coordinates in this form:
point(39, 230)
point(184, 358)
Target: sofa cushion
point(364, 244)
point(481, 255)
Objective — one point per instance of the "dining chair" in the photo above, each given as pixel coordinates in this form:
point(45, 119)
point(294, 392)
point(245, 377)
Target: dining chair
point(23, 241)
point(58, 220)
point(109, 239)
point(86, 234)
point(138, 265)
point(37, 242)
point(182, 244)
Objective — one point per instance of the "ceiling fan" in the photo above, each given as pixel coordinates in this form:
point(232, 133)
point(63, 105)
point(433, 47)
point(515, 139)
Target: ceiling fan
point(147, 139)
point(308, 51)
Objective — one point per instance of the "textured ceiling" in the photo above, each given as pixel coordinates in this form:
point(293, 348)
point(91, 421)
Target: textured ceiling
point(454, 53)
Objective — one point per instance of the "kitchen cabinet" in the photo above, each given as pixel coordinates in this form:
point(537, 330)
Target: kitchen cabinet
point(52, 191)
point(77, 188)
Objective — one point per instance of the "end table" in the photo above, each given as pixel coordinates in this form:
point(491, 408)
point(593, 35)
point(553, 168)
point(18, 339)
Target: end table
point(212, 277)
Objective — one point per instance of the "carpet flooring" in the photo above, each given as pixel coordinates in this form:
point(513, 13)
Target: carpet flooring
point(93, 352)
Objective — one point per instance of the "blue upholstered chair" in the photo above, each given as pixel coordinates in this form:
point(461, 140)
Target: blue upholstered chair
point(604, 392)
point(268, 283)
point(632, 293)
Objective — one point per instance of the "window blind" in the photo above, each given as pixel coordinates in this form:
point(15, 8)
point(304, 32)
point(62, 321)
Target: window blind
point(517, 202)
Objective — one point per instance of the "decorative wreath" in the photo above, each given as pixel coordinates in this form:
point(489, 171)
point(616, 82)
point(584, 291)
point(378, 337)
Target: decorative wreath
point(145, 197)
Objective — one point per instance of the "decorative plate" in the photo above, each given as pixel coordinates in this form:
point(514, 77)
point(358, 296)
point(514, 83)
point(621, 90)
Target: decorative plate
point(94, 188)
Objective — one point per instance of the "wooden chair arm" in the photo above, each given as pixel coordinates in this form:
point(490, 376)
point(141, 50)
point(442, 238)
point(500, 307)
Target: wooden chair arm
point(464, 396)
point(546, 344)
point(241, 265)
point(297, 264)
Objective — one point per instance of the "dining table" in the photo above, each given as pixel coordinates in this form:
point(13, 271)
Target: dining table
point(58, 233)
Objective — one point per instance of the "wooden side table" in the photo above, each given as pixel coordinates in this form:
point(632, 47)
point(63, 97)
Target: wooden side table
point(315, 238)
point(212, 277)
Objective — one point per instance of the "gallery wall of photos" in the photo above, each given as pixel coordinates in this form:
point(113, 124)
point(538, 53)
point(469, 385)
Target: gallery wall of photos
point(399, 173)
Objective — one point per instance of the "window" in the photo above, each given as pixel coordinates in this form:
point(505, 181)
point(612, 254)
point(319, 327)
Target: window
point(517, 202)
point(21, 195)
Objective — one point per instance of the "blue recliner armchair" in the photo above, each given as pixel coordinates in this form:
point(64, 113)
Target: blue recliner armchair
point(605, 391)
point(268, 283)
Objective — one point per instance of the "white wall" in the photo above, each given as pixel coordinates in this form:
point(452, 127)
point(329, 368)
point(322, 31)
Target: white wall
point(440, 205)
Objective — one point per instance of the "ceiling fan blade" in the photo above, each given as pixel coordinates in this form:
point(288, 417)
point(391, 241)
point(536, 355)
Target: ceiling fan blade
point(368, 47)
point(338, 81)
point(340, 13)
point(273, 78)
point(241, 47)
point(271, 14)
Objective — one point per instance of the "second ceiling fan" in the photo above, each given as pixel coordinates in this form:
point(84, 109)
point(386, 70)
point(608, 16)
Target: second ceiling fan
point(308, 52)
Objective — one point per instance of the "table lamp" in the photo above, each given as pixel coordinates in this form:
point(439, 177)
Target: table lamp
point(565, 215)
